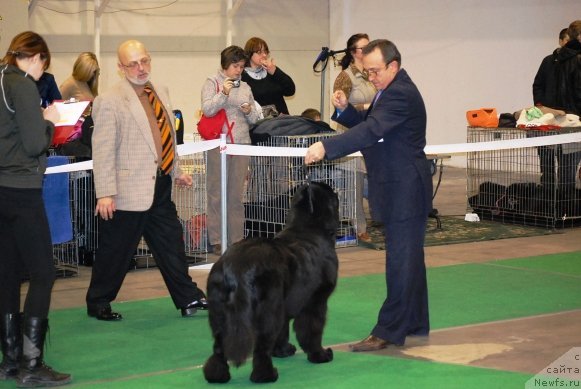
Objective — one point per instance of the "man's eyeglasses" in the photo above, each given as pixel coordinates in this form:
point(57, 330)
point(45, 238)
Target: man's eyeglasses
point(374, 72)
point(135, 64)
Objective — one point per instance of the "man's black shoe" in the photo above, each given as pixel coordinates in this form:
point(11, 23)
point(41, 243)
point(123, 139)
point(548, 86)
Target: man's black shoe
point(193, 307)
point(104, 313)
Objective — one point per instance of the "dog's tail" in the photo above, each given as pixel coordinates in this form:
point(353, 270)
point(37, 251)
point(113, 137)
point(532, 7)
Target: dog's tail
point(239, 336)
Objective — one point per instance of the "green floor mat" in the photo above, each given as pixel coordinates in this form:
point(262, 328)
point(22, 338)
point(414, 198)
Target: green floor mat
point(347, 370)
point(565, 263)
point(463, 294)
point(153, 341)
point(152, 336)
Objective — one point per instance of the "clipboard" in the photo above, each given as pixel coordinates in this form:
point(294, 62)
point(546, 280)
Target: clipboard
point(70, 111)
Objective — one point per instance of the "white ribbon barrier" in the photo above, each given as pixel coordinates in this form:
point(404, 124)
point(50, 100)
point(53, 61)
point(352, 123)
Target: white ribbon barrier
point(71, 167)
point(185, 149)
point(446, 149)
point(462, 148)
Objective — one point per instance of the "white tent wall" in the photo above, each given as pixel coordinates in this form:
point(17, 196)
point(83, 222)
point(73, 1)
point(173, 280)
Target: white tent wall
point(13, 19)
point(185, 39)
point(462, 54)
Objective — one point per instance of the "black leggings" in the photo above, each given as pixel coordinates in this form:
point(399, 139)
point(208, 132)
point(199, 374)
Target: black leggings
point(25, 249)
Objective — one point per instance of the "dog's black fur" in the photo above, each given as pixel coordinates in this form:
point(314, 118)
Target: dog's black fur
point(258, 285)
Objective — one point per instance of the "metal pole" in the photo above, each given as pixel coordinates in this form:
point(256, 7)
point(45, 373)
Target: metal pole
point(224, 191)
point(228, 24)
point(97, 34)
point(323, 93)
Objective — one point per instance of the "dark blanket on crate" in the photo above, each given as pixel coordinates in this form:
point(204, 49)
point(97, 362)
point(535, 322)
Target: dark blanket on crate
point(267, 218)
point(55, 193)
point(526, 200)
point(286, 125)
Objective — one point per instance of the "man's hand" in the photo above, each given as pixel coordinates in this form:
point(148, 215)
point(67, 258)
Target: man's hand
point(339, 100)
point(315, 153)
point(184, 180)
point(105, 207)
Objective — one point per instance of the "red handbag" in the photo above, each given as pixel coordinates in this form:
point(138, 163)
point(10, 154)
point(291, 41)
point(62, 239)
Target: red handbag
point(210, 127)
point(64, 134)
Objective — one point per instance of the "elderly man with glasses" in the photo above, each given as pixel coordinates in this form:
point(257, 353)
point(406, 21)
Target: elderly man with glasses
point(134, 162)
point(391, 135)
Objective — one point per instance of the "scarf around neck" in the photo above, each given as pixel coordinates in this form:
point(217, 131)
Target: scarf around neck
point(257, 74)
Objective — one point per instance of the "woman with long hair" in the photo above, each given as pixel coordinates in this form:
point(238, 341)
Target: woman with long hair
point(360, 92)
point(83, 84)
point(26, 132)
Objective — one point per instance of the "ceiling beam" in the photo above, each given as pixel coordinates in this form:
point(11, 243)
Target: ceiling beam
point(31, 6)
point(101, 8)
point(232, 11)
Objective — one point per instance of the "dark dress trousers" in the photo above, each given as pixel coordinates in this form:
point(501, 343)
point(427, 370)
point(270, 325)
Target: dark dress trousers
point(400, 193)
point(125, 166)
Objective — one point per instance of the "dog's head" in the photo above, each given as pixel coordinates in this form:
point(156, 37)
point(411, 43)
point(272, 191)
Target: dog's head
point(315, 204)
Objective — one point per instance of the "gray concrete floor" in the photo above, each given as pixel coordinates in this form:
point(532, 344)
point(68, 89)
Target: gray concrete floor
point(526, 344)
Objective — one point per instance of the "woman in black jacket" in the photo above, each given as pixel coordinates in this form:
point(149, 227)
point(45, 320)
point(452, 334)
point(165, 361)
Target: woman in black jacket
point(568, 98)
point(25, 243)
point(269, 84)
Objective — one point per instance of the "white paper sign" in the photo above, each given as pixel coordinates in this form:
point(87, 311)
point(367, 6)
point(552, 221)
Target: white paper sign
point(70, 112)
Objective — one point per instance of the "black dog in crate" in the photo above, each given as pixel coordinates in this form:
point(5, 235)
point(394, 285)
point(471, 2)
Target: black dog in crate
point(259, 285)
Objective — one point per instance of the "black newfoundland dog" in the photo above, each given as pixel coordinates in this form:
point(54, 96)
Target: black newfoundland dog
point(259, 285)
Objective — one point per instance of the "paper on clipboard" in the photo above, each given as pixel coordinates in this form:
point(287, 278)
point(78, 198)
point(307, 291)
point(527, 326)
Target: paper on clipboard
point(70, 112)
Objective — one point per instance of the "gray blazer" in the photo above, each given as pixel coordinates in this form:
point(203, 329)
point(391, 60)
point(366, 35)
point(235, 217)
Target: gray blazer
point(124, 154)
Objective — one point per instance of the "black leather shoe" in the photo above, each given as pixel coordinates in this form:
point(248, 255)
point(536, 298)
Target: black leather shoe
point(191, 308)
point(104, 313)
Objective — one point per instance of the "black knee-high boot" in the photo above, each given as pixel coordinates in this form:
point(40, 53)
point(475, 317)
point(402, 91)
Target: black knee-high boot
point(33, 372)
point(11, 339)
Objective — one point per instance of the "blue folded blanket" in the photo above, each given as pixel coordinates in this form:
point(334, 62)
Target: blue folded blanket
point(55, 193)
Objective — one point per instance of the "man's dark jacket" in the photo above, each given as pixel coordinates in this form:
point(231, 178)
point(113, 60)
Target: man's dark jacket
point(568, 78)
point(399, 176)
point(544, 85)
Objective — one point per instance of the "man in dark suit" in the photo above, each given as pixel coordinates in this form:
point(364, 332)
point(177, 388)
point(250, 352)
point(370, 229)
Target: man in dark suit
point(391, 135)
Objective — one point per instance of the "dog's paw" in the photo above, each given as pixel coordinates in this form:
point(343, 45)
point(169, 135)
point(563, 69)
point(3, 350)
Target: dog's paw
point(322, 356)
point(263, 375)
point(287, 350)
point(216, 370)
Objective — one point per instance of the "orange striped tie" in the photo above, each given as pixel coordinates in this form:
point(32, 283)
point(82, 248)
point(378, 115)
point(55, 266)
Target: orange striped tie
point(167, 151)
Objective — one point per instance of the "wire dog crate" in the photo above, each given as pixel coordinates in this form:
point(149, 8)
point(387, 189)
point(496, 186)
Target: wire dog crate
point(191, 208)
point(273, 180)
point(538, 186)
point(81, 248)
point(83, 193)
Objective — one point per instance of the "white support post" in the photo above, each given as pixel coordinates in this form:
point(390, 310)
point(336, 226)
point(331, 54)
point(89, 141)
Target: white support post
point(224, 191)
